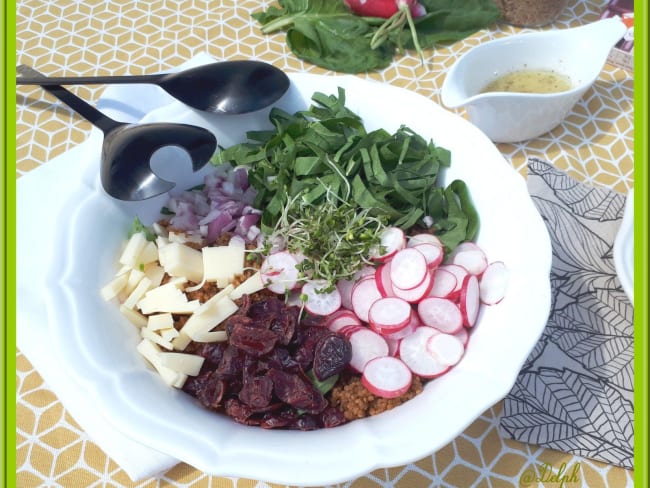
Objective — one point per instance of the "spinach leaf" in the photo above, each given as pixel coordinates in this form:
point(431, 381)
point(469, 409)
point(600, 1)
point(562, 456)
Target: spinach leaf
point(327, 34)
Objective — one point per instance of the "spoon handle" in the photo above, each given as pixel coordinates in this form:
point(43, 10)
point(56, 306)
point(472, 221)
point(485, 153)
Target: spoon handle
point(88, 80)
point(83, 108)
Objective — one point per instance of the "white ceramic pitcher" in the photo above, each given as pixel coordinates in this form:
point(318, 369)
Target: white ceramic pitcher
point(579, 53)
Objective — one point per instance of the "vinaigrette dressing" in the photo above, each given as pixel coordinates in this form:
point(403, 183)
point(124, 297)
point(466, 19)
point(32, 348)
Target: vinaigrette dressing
point(530, 81)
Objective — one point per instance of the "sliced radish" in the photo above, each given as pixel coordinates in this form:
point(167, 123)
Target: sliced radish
point(393, 346)
point(392, 239)
point(408, 269)
point(345, 289)
point(413, 324)
point(440, 313)
point(340, 318)
point(279, 272)
point(459, 272)
point(366, 345)
point(364, 272)
point(433, 253)
point(364, 294)
point(413, 351)
point(469, 256)
point(446, 348)
point(423, 238)
point(494, 283)
point(416, 294)
point(382, 277)
point(463, 336)
point(389, 315)
point(386, 377)
point(469, 300)
point(318, 301)
point(349, 329)
point(444, 283)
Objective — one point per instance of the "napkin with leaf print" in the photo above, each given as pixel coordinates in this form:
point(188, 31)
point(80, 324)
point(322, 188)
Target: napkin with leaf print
point(575, 391)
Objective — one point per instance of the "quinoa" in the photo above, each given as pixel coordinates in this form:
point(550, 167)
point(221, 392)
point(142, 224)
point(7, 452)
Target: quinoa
point(530, 13)
point(356, 402)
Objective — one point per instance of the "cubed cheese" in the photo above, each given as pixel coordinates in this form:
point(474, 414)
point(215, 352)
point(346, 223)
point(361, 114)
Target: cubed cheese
point(113, 287)
point(189, 364)
point(167, 298)
point(135, 317)
point(133, 248)
point(149, 254)
point(135, 275)
point(252, 285)
point(169, 335)
point(155, 338)
point(222, 263)
point(155, 274)
point(200, 324)
point(151, 352)
point(160, 321)
point(180, 260)
point(215, 336)
point(137, 293)
point(181, 341)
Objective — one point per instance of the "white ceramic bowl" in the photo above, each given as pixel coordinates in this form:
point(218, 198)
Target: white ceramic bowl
point(97, 345)
point(578, 53)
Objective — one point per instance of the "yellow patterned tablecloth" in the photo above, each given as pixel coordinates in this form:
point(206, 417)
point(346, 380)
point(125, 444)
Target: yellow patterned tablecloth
point(69, 37)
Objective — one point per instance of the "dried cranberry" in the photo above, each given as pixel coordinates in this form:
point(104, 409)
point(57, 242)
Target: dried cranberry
point(331, 355)
point(256, 392)
point(305, 422)
point(208, 388)
point(240, 412)
point(332, 417)
point(252, 340)
point(297, 391)
point(279, 419)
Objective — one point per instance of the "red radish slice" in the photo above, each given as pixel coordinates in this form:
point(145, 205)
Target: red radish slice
point(341, 318)
point(494, 283)
point(382, 277)
point(463, 336)
point(469, 300)
point(446, 348)
point(279, 272)
point(440, 313)
point(318, 301)
point(392, 239)
point(413, 351)
point(364, 273)
point(458, 271)
point(469, 256)
point(416, 294)
point(349, 329)
point(393, 346)
point(433, 253)
point(408, 269)
point(413, 324)
point(423, 238)
point(364, 294)
point(345, 289)
point(444, 283)
point(366, 345)
point(386, 377)
point(389, 315)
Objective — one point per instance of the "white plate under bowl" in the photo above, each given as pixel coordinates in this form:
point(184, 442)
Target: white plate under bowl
point(97, 344)
point(624, 248)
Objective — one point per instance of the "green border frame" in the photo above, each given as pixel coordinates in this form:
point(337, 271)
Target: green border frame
point(641, 244)
point(8, 243)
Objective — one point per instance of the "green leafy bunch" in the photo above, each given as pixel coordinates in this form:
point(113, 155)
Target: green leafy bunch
point(327, 34)
point(325, 154)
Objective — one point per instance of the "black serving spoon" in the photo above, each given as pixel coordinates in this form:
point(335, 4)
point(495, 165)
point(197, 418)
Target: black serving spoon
point(127, 148)
point(225, 87)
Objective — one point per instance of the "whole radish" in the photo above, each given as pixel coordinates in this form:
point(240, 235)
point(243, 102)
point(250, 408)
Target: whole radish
point(384, 8)
point(396, 12)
